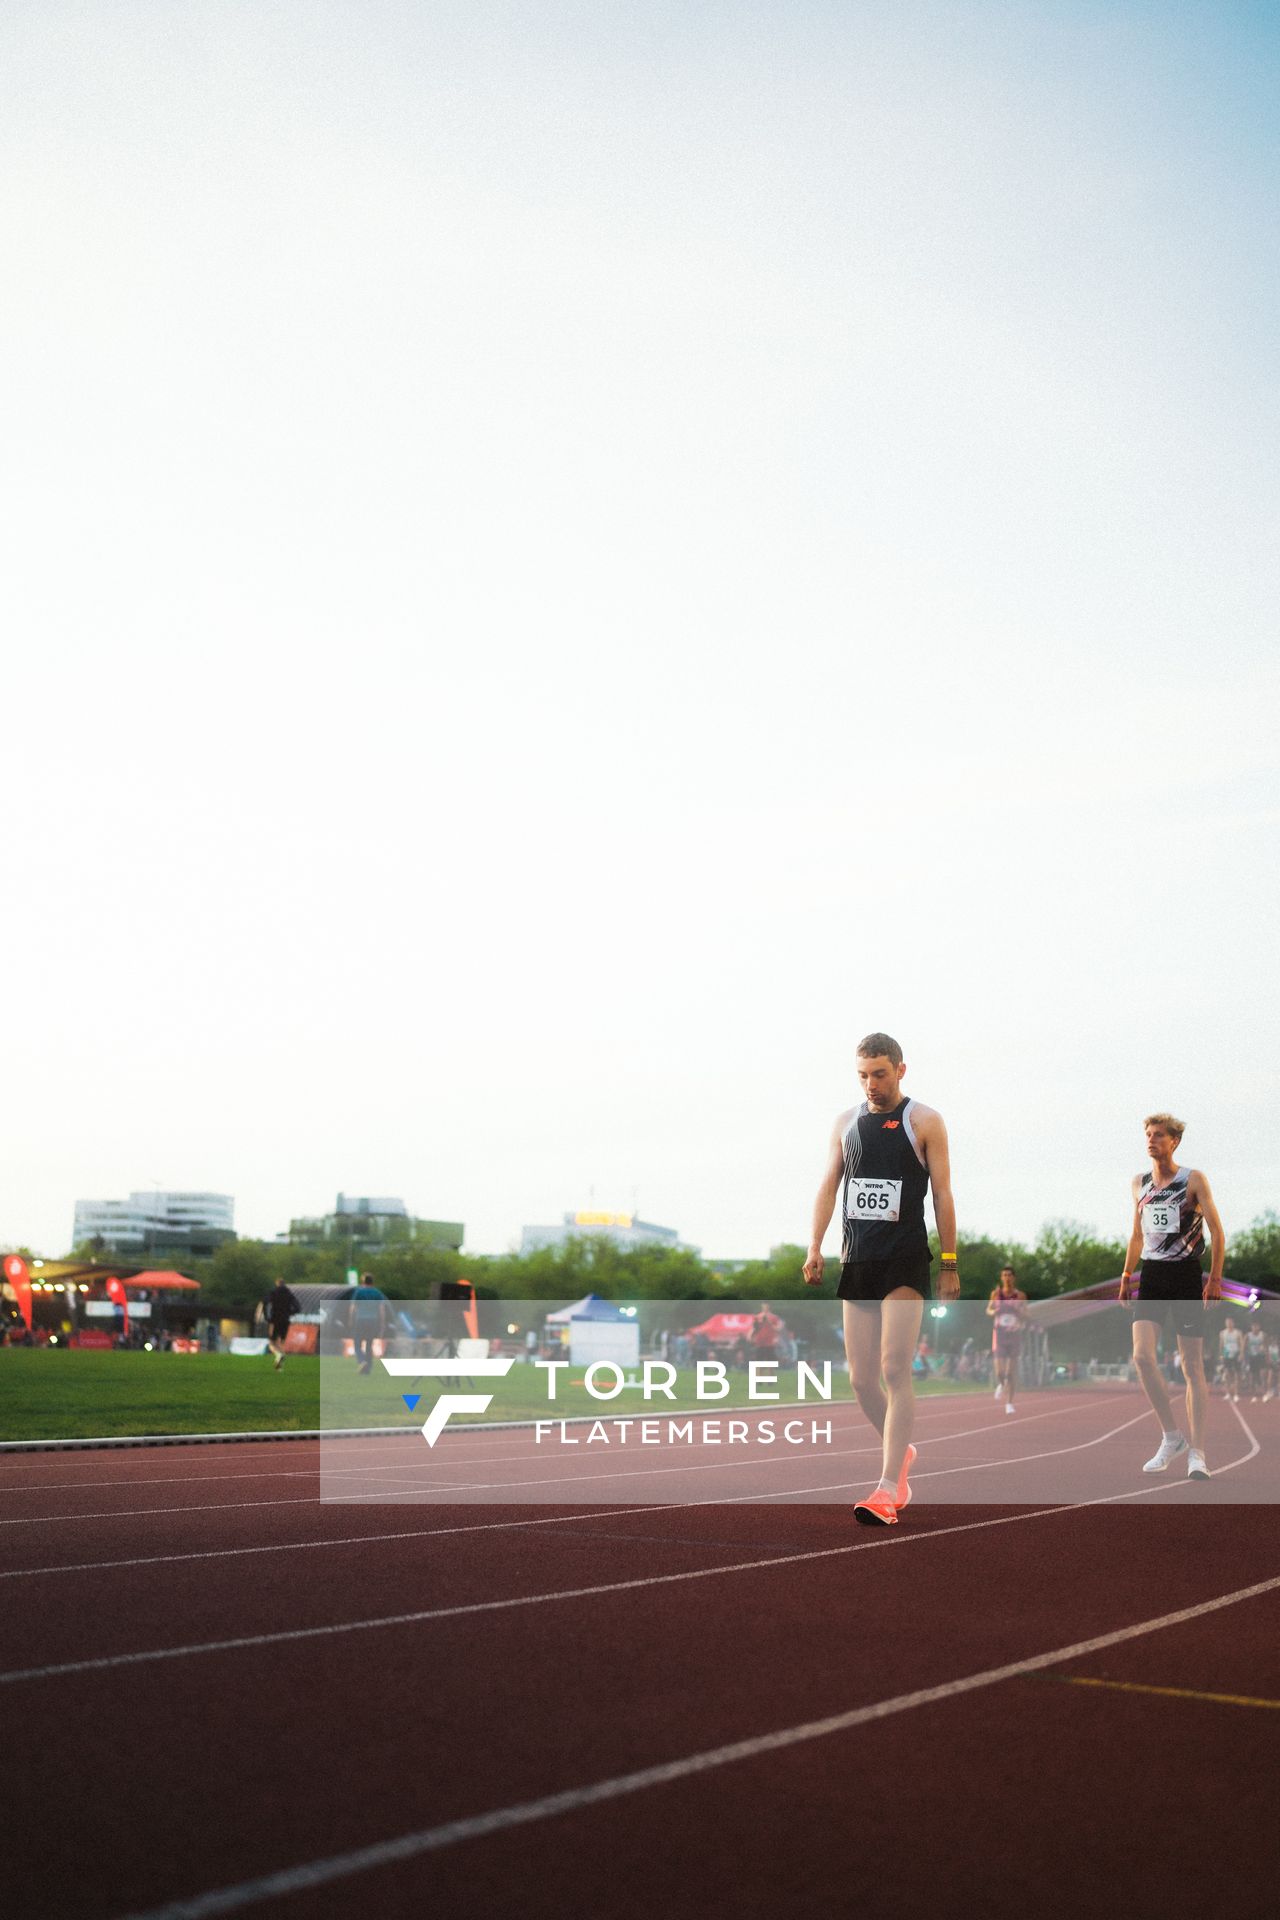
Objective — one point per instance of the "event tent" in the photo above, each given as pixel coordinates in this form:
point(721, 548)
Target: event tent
point(596, 1329)
point(725, 1329)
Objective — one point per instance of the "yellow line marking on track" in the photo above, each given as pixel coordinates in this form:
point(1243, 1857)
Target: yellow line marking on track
point(307, 1875)
point(1171, 1693)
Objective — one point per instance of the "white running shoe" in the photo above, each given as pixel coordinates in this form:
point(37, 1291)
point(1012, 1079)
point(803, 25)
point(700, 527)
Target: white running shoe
point(1196, 1468)
point(999, 1389)
point(1170, 1447)
point(1010, 1408)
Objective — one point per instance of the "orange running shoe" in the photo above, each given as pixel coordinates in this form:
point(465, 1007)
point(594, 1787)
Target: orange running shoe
point(903, 1495)
point(877, 1510)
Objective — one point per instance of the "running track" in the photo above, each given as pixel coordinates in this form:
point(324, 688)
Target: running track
point(219, 1695)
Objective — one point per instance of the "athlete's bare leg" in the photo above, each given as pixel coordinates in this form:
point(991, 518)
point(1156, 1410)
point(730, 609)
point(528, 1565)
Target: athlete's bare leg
point(862, 1350)
point(1192, 1349)
point(880, 1347)
point(899, 1337)
point(1144, 1358)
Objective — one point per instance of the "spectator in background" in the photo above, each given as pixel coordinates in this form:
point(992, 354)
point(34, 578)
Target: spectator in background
point(368, 1321)
point(765, 1329)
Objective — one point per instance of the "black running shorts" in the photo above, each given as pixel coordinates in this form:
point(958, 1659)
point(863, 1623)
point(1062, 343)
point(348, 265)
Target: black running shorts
point(871, 1280)
point(1172, 1287)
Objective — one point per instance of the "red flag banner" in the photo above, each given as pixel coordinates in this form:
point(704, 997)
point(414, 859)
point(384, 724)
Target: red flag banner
point(15, 1272)
point(115, 1291)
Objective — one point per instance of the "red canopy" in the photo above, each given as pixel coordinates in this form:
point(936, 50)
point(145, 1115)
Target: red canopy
point(727, 1326)
point(158, 1281)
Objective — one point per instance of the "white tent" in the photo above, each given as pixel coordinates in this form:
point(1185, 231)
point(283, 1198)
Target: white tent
point(597, 1330)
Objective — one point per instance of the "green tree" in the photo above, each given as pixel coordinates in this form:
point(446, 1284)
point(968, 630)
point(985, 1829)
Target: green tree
point(980, 1262)
point(1066, 1257)
point(239, 1274)
point(1254, 1255)
point(779, 1277)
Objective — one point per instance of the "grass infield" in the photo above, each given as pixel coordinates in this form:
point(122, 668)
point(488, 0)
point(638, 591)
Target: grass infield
point(68, 1395)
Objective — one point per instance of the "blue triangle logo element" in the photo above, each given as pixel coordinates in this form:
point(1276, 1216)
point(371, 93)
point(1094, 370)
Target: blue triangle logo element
point(411, 1400)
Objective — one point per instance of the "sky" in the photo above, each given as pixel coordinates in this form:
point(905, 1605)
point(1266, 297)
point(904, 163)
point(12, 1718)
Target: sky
point(566, 561)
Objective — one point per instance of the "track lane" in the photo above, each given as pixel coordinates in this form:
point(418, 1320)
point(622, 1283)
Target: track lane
point(464, 1747)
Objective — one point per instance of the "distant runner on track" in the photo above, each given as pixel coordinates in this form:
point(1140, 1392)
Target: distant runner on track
point(1255, 1360)
point(1007, 1308)
point(885, 1155)
point(278, 1310)
point(1172, 1206)
point(1230, 1348)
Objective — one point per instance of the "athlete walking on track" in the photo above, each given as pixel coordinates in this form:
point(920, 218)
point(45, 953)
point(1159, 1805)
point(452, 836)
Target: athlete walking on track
point(1007, 1307)
point(884, 1157)
point(1172, 1206)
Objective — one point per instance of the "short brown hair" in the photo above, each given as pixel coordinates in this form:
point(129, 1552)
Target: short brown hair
point(1167, 1121)
point(876, 1044)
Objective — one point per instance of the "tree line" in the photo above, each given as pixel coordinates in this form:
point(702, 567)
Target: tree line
point(1065, 1257)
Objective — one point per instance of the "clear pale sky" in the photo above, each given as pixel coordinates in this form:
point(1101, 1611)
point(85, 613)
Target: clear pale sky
point(565, 561)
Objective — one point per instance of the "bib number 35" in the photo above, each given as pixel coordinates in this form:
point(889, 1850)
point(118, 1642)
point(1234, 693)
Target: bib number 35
point(873, 1199)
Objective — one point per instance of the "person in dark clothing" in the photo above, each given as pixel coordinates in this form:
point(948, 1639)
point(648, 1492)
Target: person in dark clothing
point(278, 1310)
point(368, 1321)
point(886, 1155)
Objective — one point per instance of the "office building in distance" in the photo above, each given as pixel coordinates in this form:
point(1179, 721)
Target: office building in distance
point(153, 1223)
point(624, 1229)
point(369, 1222)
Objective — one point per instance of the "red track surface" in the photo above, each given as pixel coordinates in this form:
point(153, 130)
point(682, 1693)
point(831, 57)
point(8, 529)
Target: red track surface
point(136, 1787)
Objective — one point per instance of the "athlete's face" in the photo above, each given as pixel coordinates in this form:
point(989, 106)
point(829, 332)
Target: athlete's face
point(1161, 1144)
point(880, 1080)
point(1008, 1280)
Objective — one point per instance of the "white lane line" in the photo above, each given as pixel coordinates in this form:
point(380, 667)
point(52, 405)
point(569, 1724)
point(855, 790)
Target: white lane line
point(17, 1456)
point(548, 1520)
point(934, 1406)
point(138, 1481)
point(1250, 1435)
point(222, 1506)
point(411, 1442)
point(800, 1457)
point(108, 1662)
point(1021, 1459)
point(342, 1498)
point(411, 1846)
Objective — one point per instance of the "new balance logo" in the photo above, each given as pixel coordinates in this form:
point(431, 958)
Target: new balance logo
point(436, 1421)
point(889, 1125)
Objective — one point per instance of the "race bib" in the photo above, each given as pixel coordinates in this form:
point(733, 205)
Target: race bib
point(1162, 1216)
point(1007, 1320)
point(872, 1199)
